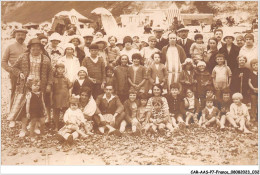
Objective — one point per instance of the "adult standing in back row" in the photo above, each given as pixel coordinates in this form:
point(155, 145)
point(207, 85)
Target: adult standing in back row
point(185, 42)
point(173, 55)
point(11, 55)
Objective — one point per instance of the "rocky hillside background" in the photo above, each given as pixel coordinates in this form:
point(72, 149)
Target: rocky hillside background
point(23, 12)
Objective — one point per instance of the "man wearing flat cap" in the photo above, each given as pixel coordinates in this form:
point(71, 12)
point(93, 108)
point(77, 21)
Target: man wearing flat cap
point(185, 42)
point(161, 42)
point(11, 54)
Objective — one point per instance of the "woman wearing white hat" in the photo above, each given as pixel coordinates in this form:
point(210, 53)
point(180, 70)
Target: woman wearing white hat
point(231, 51)
point(71, 62)
point(53, 49)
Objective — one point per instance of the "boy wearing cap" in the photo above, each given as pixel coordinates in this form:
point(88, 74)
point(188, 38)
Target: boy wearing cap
point(96, 69)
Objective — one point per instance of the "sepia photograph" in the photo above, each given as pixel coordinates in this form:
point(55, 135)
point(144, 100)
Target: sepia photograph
point(129, 83)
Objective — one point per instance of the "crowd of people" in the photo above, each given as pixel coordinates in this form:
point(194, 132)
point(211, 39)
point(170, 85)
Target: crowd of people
point(88, 84)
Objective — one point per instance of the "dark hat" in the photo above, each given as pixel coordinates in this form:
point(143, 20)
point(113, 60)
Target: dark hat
point(34, 41)
point(93, 46)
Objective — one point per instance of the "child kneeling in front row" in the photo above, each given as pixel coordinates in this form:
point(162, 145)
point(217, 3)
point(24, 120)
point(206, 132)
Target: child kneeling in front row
point(239, 112)
point(74, 122)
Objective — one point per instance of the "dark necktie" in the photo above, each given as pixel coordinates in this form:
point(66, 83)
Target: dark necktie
point(55, 51)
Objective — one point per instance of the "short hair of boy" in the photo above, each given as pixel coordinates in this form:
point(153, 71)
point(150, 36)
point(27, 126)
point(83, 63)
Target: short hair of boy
point(31, 82)
point(143, 96)
point(109, 84)
point(93, 46)
point(132, 91)
point(136, 56)
point(198, 36)
point(237, 96)
point(220, 55)
point(109, 68)
point(209, 99)
point(253, 61)
point(175, 86)
point(209, 88)
point(127, 39)
point(226, 91)
point(242, 57)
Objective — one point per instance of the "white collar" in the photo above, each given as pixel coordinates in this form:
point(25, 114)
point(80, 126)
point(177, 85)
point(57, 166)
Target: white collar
point(95, 60)
point(108, 100)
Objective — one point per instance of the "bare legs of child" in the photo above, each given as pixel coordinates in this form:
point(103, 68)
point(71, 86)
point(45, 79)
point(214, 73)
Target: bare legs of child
point(56, 117)
point(190, 115)
point(242, 123)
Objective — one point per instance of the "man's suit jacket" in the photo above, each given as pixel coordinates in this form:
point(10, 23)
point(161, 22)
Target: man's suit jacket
point(163, 42)
point(186, 47)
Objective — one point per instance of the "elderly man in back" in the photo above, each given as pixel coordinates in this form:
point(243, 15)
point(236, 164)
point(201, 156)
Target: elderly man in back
point(11, 54)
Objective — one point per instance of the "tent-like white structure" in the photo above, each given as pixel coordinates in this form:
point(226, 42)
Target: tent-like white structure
point(172, 12)
point(108, 21)
point(64, 18)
